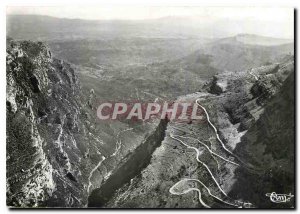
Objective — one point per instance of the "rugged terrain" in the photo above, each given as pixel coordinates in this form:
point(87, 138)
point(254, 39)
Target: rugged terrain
point(55, 145)
point(253, 153)
point(60, 155)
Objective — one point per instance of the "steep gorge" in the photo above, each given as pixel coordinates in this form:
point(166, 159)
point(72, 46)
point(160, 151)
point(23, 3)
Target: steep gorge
point(58, 154)
point(57, 150)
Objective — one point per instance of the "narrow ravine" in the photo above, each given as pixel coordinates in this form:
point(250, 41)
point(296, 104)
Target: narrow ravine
point(103, 158)
point(129, 167)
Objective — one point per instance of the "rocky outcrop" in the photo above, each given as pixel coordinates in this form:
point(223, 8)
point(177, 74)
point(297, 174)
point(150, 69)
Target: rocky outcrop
point(45, 129)
point(29, 172)
point(270, 81)
point(270, 145)
point(216, 86)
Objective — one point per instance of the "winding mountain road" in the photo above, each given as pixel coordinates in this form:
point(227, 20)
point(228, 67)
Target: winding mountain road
point(214, 128)
point(250, 167)
point(174, 189)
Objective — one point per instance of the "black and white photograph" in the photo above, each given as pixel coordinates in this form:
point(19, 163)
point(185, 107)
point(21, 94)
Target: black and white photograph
point(155, 107)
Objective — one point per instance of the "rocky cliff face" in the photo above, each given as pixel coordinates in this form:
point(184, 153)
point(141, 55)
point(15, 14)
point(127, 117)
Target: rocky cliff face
point(45, 126)
point(57, 150)
point(52, 139)
point(270, 145)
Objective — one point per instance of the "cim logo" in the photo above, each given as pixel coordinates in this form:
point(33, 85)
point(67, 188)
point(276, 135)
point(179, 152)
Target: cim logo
point(279, 198)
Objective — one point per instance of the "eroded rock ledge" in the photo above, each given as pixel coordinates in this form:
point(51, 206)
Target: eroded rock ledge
point(45, 129)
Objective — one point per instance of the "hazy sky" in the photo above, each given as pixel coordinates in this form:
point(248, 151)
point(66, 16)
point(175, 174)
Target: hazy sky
point(281, 18)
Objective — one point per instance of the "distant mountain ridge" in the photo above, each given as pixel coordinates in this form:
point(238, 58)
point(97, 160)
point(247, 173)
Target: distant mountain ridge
point(240, 52)
point(252, 39)
point(37, 27)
